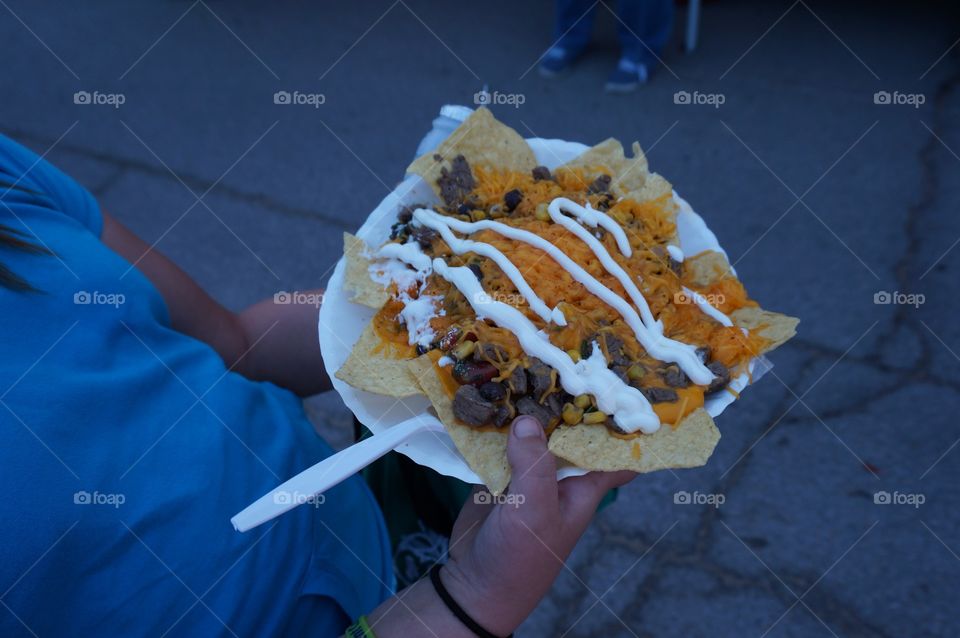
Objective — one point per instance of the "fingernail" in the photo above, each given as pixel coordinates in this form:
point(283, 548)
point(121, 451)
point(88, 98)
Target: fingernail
point(527, 427)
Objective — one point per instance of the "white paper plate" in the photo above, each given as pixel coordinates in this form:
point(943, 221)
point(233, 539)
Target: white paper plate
point(342, 321)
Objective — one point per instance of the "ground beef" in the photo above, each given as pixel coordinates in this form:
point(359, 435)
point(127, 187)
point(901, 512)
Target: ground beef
point(674, 377)
point(675, 266)
point(528, 406)
point(541, 173)
point(406, 213)
point(518, 381)
point(512, 199)
point(615, 349)
point(502, 416)
point(471, 408)
point(611, 342)
point(456, 182)
point(599, 185)
point(399, 231)
point(722, 377)
point(540, 378)
point(424, 236)
point(554, 403)
point(660, 395)
point(493, 391)
point(492, 353)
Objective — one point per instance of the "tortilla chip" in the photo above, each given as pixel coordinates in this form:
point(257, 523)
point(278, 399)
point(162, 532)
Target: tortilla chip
point(705, 268)
point(631, 175)
point(369, 367)
point(772, 326)
point(655, 187)
point(482, 140)
point(593, 447)
point(485, 451)
point(366, 291)
point(589, 447)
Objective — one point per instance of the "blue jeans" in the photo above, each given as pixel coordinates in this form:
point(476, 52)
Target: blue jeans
point(643, 27)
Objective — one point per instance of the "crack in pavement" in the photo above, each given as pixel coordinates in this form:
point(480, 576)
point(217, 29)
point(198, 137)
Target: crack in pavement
point(195, 182)
point(698, 557)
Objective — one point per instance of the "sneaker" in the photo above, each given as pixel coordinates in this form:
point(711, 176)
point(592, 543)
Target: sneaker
point(555, 61)
point(627, 76)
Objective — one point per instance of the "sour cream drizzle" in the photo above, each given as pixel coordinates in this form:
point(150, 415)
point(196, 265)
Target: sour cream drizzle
point(630, 409)
point(432, 220)
point(593, 217)
point(417, 311)
point(409, 253)
point(707, 307)
point(650, 336)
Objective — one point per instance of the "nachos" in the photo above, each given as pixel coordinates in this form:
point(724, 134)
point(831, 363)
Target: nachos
point(561, 294)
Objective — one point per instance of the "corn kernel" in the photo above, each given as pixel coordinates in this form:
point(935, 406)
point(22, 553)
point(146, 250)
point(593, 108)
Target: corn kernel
point(593, 418)
point(571, 414)
point(582, 401)
point(464, 349)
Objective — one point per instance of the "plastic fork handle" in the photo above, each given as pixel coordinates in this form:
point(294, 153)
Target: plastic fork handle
point(305, 486)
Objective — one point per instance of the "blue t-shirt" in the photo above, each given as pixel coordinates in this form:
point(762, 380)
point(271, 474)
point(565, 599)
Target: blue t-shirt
point(126, 446)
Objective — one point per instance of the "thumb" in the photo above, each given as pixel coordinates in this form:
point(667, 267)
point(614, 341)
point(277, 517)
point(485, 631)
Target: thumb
point(533, 468)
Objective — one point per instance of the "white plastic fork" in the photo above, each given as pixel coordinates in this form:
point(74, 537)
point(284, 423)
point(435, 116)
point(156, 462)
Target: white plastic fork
point(305, 486)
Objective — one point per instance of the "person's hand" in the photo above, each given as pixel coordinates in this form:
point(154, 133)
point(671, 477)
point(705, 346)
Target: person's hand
point(504, 556)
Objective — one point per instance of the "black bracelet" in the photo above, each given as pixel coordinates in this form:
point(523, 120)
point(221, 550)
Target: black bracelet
point(454, 608)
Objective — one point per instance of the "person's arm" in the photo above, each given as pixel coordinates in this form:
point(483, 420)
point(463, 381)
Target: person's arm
point(266, 342)
point(505, 557)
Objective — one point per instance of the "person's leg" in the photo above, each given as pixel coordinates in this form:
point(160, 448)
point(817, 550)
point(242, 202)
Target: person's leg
point(574, 24)
point(644, 26)
point(571, 35)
